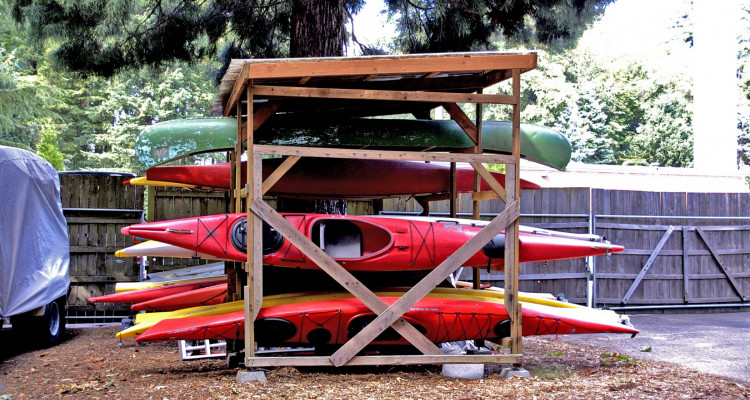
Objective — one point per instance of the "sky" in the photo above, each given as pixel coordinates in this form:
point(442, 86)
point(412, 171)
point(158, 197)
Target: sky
point(370, 25)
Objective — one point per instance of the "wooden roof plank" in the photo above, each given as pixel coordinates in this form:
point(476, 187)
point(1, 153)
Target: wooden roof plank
point(457, 62)
point(458, 72)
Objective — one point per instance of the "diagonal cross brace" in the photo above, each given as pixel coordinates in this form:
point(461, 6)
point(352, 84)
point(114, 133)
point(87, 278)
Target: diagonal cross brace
point(715, 254)
point(429, 282)
point(341, 275)
point(648, 264)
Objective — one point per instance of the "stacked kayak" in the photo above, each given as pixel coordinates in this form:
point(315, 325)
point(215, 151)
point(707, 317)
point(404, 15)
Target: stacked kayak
point(172, 140)
point(155, 291)
point(365, 243)
point(334, 178)
point(444, 315)
point(196, 309)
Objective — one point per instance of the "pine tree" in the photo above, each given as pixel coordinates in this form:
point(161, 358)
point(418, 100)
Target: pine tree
point(105, 36)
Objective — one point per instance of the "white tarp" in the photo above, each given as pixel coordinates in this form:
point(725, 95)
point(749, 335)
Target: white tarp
point(34, 250)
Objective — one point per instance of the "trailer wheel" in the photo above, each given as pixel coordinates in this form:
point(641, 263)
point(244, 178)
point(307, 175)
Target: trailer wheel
point(53, 326)
point(45, 331)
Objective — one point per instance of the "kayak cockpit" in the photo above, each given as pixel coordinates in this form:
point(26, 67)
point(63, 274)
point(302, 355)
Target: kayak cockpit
point(349, 239)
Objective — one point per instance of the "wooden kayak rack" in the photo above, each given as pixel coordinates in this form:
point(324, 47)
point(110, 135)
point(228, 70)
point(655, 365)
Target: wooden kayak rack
point(256, 89)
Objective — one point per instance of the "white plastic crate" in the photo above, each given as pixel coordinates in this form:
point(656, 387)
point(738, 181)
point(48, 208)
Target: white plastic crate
point(197, 349)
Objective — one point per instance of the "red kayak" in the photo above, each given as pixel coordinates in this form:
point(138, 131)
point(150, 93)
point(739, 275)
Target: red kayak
point(336, 321)
point(362, 243)
point(204, 296)
point(337, 178)
point(141, 295)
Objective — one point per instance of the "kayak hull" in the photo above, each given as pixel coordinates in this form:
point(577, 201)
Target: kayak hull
point(361, 243)
point(144, 321)
point(205, 296)
point(171, 140)
point(334, 322)
point(152, 248)
point(141, 295)
point(336, 178)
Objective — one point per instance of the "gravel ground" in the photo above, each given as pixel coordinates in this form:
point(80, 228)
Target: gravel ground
point(92, 364)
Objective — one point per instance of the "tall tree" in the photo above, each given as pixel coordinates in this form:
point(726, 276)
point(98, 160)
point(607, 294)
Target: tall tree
point(104, 36)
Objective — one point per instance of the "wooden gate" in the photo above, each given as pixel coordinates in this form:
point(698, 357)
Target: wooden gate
point(681, 248)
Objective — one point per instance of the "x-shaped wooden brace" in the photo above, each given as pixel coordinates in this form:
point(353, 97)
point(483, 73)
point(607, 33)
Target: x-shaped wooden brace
point(387, 316)
point(342, 276)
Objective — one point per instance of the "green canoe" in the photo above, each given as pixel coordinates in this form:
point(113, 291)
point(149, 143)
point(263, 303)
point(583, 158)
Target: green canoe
point(176, 139)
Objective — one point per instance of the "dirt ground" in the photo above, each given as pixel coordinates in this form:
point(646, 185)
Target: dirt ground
point(91, 364)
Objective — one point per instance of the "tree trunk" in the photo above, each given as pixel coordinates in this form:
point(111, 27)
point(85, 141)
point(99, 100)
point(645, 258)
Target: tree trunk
point(317, 28)
point(317, 31)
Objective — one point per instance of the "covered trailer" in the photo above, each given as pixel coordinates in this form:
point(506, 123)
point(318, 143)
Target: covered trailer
point(34, 248)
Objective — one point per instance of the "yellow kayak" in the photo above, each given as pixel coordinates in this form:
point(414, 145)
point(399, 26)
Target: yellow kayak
point(142, 181)
point(144, 321)
point(535, 298)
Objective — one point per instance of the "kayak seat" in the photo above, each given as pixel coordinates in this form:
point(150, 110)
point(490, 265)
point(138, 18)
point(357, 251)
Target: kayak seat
point(340, 239)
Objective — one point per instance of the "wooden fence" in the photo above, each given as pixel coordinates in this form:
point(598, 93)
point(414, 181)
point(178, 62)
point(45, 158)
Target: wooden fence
point(681, 248)
point(96, 206)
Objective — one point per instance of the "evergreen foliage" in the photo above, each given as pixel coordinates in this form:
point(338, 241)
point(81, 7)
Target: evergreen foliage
point(24, 101)
point(103, 37)
point(48, 149)
point(743, 117)
point(612, 113)
point(104, 116)
point(442, 25)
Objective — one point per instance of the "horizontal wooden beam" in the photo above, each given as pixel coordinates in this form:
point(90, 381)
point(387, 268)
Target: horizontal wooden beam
point(322, 361)
point(102, 220)
point(486, 195)
point(318, 361)
point(109, 250)
point(650, 227)
point(103, 279)
point(327, 152)
point(386, 95)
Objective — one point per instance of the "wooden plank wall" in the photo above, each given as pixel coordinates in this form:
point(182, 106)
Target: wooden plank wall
point(96, 206)
point(684, 250)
